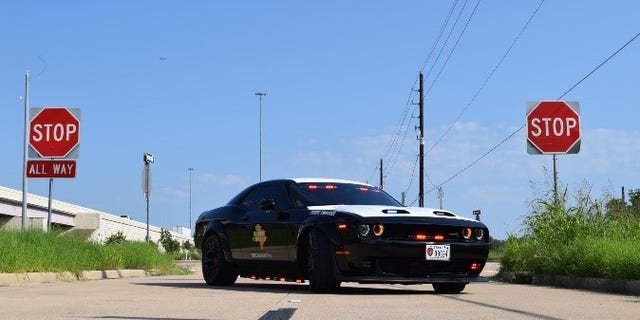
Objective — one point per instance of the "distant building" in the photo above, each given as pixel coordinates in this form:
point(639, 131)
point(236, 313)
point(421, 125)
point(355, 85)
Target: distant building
point(92, 224)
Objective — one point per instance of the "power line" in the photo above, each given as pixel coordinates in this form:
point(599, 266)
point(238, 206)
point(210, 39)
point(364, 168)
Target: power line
point(442, 48)
point(446, 41)
point(455, 45)
point(394, 160)
point(426, 174)
point(589, 74)
point(435, 43)
point(477, 160)
point(488, 78)
point(396, 144)
point(413, 173)
point(398, 133)
point(598, 67)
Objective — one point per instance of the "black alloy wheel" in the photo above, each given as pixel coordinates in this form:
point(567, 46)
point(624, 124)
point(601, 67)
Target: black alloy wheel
point(215, 269)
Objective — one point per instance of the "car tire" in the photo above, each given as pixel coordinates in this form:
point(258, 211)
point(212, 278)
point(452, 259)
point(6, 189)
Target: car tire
point(448, 287)
point(215, 269)
point(320, 264)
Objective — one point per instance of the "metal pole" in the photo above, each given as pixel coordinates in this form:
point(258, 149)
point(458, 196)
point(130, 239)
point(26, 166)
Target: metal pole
point(146, 184)
point(381, 175)
point(147, 196)
point(190, 170)
point(260, 137)
point(49, 205)
point(260, 94)
point(421, 192)
point(25, 150)
point(555, 180)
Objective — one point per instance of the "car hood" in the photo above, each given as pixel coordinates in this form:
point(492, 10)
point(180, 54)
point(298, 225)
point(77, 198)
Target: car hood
point(369, 211)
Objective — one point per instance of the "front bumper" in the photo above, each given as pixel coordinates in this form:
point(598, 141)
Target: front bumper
point(381, 261)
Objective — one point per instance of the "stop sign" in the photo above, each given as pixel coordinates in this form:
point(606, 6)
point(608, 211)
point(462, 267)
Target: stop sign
point(553, 127)
point(54, 132)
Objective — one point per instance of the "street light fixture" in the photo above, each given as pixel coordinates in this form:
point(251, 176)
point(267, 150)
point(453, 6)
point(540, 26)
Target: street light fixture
point(190, 171)
point(260, 95)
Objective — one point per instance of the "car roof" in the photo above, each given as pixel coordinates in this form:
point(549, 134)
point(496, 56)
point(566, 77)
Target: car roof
point(325, 180)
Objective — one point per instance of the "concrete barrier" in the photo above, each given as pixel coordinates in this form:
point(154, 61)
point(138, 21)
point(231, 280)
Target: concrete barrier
point(13, 279)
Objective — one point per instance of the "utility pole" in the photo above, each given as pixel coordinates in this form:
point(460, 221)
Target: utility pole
point(381, 177)
point(260, 95)
point(421, 138)
point(440, 195)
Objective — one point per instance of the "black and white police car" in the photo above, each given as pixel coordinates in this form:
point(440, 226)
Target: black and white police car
point(328, 231)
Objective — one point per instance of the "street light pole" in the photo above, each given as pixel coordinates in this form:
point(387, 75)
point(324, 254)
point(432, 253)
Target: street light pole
point(146, 184)
point(190, 171)
point(260, 95)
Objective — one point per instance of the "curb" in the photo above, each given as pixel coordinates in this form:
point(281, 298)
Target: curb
point(628, 287)
point(16, 279)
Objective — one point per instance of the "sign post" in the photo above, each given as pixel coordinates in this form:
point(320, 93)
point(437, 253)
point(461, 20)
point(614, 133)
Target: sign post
point(553, 127)
point(25, 154)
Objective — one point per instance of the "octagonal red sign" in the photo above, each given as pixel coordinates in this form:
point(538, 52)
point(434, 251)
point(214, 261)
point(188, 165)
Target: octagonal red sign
point(54, 132)
point(553, 127)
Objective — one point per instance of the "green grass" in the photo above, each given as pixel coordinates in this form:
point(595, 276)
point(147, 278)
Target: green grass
point(38, 251)
point(578, 240)
point(494, 255)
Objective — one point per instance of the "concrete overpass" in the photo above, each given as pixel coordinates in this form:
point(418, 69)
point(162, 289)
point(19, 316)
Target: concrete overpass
point(92, 224)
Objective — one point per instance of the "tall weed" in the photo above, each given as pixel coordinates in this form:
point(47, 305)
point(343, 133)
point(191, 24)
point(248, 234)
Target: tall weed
point(576, 239)
point(38, 251)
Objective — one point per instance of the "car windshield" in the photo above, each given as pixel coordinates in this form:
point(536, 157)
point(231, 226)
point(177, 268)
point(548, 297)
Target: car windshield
point(330, 193)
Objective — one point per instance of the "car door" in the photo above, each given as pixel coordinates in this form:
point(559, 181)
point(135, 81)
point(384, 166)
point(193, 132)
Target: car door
point(272, 246)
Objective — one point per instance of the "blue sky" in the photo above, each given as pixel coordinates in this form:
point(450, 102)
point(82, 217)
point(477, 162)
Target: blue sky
point(177, 79)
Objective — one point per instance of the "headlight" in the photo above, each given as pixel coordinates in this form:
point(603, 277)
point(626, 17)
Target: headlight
point(466, 233)
point(479, 234)
point(363, 230)
point(378, 229)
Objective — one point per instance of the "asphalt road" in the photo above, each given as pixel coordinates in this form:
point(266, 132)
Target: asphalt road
point(187, 297)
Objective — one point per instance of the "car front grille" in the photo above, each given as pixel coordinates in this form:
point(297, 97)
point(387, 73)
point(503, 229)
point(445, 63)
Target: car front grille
point(417, 268)
point(412, 232)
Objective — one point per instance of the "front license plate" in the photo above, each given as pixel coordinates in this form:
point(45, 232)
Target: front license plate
point(440, 252)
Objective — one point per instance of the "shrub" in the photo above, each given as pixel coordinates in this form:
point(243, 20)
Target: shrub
point(167, 241)
point(116, 238)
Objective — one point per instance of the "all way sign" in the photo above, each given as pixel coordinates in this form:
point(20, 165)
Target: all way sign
point(51, 169)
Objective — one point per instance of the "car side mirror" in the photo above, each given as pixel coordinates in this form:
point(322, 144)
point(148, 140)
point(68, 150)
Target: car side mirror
point(267, 204)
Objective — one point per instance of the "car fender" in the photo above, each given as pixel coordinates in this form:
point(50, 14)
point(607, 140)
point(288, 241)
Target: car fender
point(214, 227)
point(327, 225)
